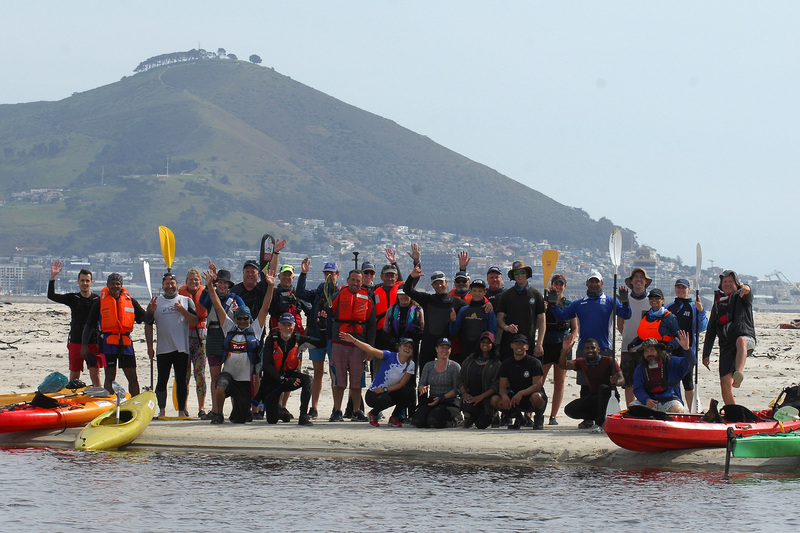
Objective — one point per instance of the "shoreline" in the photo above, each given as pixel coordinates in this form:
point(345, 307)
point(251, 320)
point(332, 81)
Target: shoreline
point(38, 333)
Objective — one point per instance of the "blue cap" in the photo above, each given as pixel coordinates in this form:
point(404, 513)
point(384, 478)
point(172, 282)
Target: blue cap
point(243, 310)
point(286, 318)
point(330, 267)
point(444, 340)
point(684, 282)
point(367, 265)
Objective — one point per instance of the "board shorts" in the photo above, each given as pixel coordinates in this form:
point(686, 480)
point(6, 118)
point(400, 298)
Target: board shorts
point(348, 360)
point(663, 407)
point(525, 404)
point(125, 360)
point(318, 354)
point(628, 364)
point(727, 356)
point(76, 359)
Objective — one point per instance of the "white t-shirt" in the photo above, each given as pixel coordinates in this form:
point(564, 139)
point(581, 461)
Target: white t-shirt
point(238, 363)
point(172, 327)
point(391, 371)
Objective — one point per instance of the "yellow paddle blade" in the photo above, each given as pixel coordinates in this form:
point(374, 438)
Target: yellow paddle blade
point(549, 262)
point(167, 245)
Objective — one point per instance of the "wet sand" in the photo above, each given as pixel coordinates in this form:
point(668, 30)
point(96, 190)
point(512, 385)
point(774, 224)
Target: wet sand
point(37, 336)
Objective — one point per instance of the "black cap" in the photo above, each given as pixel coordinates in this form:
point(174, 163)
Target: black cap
point(655, 293)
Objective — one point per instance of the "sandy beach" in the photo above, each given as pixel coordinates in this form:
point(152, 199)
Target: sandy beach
point(33, 344)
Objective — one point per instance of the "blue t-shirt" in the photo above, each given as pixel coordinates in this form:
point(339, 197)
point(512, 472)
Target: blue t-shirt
point(391, 371)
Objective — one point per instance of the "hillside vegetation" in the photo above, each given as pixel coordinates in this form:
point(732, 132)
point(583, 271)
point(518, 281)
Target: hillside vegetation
point(245, 146)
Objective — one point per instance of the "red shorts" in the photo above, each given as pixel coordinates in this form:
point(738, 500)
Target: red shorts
point(76, 360)
point(347, 359)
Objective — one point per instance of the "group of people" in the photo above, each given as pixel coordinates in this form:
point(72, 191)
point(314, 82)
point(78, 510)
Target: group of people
point(474, 355)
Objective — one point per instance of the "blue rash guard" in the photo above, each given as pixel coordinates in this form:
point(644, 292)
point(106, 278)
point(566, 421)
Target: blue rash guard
point(594, 317)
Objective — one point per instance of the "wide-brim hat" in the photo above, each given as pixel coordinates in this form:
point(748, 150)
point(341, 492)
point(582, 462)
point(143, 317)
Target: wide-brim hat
point(225, 275)
point(517, 265)
point(629, 279)
point(651, 343)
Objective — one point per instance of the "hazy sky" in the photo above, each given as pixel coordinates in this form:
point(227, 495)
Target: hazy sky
point(678, 120)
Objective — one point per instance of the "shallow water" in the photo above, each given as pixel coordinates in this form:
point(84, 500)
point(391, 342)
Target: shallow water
point(58, 490)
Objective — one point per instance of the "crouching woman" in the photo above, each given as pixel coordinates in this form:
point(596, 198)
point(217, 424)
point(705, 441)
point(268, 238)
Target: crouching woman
point(438, 381)
point(392, 385)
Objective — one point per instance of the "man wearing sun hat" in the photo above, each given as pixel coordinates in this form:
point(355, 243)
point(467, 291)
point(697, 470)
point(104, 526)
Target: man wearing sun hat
point(638, 282)
point(521, 310)
point(657, 379)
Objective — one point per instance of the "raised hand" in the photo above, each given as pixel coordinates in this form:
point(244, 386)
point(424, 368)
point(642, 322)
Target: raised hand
point(414, 254)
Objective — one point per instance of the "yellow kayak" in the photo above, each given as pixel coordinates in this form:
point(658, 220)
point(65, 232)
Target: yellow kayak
point(103, 433)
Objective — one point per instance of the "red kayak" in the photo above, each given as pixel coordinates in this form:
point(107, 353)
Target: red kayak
point(19, 422)
point(685, 431)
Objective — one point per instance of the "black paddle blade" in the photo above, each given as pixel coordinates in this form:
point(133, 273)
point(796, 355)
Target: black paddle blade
point(265, 257)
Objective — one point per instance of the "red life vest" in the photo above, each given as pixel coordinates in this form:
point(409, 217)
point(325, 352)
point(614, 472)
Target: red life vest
point(467, 296)
point(201, 311)
point(649, 330)
point(655, 378)
point(117, 317)
point(352, 310)
point(382, 303)
point(290, 361)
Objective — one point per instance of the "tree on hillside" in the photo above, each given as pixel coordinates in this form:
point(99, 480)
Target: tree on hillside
point(174, 57)
point(233, 56)
point(221, 53)
point(255, 59)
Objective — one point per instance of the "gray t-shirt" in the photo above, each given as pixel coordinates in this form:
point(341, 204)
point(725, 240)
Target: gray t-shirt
point(440, 382)
point(171, 326)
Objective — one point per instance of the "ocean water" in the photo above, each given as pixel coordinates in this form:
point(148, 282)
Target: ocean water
point(58, 490)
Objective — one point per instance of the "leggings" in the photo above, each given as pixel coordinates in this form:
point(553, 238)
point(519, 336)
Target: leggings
point(401, 399)
point(197, 356)
point(165, 362)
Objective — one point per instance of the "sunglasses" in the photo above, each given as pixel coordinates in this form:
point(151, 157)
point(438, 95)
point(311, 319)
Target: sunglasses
point(518, 272)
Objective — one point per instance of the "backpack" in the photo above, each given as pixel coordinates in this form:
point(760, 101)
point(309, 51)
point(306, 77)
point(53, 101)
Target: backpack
point(788, 396)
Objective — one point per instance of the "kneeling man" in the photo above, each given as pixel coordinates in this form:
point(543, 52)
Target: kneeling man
point(521, 385)
point(657, 380)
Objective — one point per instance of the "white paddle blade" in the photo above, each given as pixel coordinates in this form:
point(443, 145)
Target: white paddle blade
point(146, 266)
point(615, 247)
point(695, 407)
point(612, 407)
point(785, 414)
point(699, 267)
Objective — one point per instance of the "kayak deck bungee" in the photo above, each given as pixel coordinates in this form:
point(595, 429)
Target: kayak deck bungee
point(104, 433)
point(685, 431)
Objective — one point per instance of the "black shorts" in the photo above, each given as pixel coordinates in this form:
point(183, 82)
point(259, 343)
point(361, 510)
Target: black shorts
point(125, 360)
point(552, 353)
point(630, 360)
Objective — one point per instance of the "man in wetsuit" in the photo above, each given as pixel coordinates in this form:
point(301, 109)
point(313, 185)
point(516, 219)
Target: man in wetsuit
point(79, 303)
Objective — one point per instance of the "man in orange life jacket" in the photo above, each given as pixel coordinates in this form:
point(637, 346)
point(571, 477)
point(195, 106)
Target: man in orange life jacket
point(281, 370)
point(657, 380)
point(353, 312)
point(117, 312)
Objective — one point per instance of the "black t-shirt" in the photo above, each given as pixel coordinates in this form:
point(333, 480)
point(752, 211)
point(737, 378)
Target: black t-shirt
point(520, 374)
point(80, 308)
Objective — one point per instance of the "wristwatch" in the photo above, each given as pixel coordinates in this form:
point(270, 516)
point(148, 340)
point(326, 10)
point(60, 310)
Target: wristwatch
point(386, 389)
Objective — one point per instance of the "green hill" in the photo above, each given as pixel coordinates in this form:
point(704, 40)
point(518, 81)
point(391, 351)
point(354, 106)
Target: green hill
point(245, 145)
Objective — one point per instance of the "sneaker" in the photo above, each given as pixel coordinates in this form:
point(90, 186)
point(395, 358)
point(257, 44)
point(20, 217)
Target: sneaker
point(202, 415)
point(517, 423)
point(217, 418)
point(358, 416)
point(258, 415)
point(586, 424)
point(496, 421)
point(313, 414)
point(538, 421)
point(553, 421)
point(373, 418)
point(336, 416)
point(468, 422)
point(395, 422)
point(737, 379)
point(595, 429)
point(286, 416)
point(304, 420)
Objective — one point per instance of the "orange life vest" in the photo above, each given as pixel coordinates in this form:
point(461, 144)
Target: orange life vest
point(290, 361)
point(352, 310)
point(201, 311)
point(382, 303)
point(467, 297)
point(649, 330)
point(117, 317)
